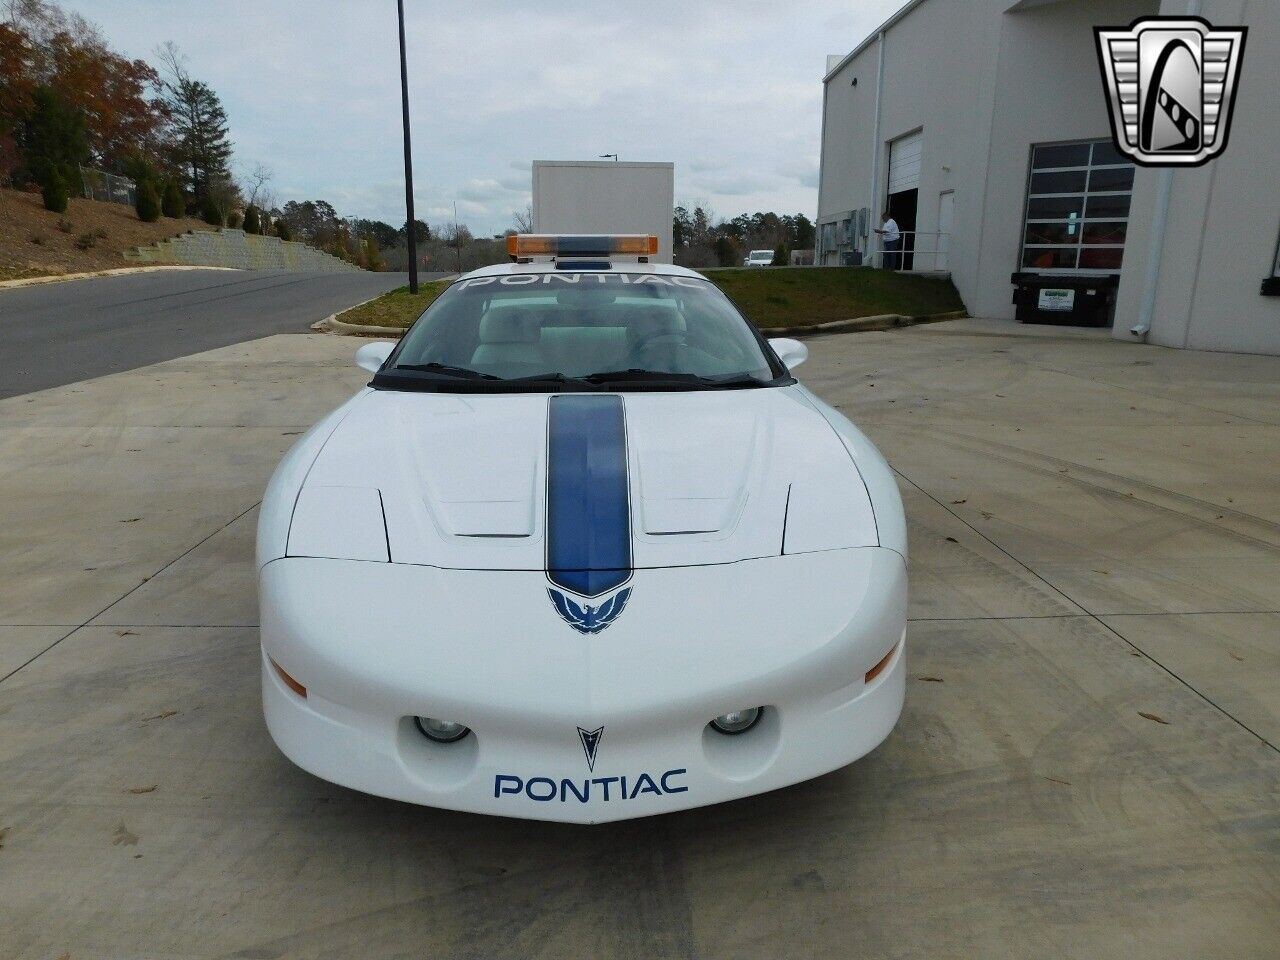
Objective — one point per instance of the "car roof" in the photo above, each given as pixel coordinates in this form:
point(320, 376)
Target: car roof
point(550, 266)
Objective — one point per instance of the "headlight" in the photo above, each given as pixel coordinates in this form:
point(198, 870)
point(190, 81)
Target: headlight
point(441, 731)
point(737, 721)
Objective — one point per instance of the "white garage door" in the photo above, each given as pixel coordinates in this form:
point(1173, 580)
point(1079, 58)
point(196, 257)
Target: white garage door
point(904, 162)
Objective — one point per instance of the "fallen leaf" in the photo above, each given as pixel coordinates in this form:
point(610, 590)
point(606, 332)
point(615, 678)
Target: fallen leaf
point(126, 633)
point(131, 520)
point(1065, 783)
point(930, 679)
point(956, 503)
point(160, 716)
point(952, 540)
point(1152, 717)
point(123, 836)
point(150, 789)
point(1235, 656)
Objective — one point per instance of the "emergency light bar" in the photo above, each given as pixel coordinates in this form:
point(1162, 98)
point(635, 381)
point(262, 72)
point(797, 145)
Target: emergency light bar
point(522, 245)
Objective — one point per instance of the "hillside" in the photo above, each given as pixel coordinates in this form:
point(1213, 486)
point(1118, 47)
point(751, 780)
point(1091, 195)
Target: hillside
point(91, 235)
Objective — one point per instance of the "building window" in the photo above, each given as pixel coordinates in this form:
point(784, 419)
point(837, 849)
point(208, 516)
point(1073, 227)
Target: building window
point(1077, 214)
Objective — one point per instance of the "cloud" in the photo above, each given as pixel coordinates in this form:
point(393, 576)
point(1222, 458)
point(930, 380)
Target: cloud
point(312, 90)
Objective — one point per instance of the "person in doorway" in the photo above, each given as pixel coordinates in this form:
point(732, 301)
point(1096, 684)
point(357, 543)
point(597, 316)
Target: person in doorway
point(891, 238)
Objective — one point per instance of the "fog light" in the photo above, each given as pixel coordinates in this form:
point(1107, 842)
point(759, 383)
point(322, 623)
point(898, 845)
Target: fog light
point(737, 721)
point(441, 731)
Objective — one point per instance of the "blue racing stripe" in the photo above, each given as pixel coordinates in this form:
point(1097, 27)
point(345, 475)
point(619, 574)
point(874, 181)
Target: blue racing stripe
point(588, 506)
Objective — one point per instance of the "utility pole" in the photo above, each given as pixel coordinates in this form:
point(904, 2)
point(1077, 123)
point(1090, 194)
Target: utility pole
point(411, 227)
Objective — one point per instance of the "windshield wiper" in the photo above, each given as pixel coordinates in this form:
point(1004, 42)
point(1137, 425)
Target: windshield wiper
point(654, 377)
point(445, 370)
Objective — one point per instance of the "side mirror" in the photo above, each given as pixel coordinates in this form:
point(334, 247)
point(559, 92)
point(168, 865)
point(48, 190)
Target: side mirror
point(791, 352)
point(372, 356)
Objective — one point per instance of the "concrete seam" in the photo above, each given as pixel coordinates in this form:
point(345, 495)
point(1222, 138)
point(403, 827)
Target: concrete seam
point(1091, 615)
point(130, 591)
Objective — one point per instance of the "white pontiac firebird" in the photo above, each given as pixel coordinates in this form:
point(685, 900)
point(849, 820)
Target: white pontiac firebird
point(582, 550)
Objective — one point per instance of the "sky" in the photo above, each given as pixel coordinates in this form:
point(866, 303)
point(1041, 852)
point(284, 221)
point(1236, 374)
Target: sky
point(731, 92)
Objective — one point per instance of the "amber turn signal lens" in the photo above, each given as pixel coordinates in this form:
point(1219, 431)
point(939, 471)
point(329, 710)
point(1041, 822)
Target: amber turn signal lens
point(289, 682)
point(879, 668)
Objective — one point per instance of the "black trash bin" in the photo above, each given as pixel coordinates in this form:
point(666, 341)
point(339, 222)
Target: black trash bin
point(1065, 300)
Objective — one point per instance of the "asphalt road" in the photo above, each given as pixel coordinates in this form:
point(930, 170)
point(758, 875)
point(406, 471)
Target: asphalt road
point(57, 333)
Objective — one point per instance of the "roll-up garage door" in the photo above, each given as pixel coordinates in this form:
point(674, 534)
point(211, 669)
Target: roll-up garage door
point(904, 162)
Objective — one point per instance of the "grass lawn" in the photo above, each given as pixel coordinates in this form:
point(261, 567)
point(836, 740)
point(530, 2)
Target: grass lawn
point(399, 308)
point(773, 297)
point(797, 296)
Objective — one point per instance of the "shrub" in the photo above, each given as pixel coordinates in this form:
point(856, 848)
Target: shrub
point(173, 205)
point(147, 202)
point(283, 231)
point(252, 222)
point(36, 238)
point(781, 256)
point(86, 241)
point(373, 256)
point(54, 192)
point(100, 234)
point(75, 182)
point(233, 219)
point(210, 213)
point(64, 225)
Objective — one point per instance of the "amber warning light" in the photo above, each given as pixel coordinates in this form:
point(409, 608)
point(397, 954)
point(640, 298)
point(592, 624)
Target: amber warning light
point(521, 245)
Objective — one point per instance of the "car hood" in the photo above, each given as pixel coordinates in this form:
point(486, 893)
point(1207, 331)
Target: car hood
point(472, 481)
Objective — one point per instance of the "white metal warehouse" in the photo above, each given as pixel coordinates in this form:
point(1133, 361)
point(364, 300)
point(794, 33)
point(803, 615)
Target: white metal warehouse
point(983, 126)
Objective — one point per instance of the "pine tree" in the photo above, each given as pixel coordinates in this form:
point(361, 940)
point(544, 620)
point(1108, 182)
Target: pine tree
point(283, 231)
point(252, 222)
point(200, 147)
point(52, 139)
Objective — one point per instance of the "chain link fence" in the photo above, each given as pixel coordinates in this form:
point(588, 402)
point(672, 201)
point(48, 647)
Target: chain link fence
point(100, 185)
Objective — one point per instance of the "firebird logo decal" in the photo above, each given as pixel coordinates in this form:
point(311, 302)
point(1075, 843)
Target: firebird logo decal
point(585, 618)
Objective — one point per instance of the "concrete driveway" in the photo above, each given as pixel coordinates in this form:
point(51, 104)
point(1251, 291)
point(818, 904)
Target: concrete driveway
point(1087, 766)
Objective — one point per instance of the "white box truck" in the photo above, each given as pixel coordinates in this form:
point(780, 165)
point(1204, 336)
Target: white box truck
point(605, 196)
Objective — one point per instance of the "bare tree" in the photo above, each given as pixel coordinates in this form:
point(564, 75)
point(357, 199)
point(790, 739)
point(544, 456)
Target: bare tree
point(522, 220)
point(173, 63)
point(254, 186)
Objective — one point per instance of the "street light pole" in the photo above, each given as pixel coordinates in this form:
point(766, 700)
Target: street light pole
point(411, 228)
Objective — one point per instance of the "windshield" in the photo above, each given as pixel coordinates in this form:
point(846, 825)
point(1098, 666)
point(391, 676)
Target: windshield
point(761, 254)
point(581, 331)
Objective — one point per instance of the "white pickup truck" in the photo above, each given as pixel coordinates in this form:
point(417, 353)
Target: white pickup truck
point(758, 258)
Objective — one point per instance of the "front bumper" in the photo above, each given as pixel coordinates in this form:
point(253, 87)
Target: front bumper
point(377, 644)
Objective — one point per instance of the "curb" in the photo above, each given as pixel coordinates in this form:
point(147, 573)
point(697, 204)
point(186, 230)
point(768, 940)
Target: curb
point(331, 324)
point(883, 321)
point(114, 272)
